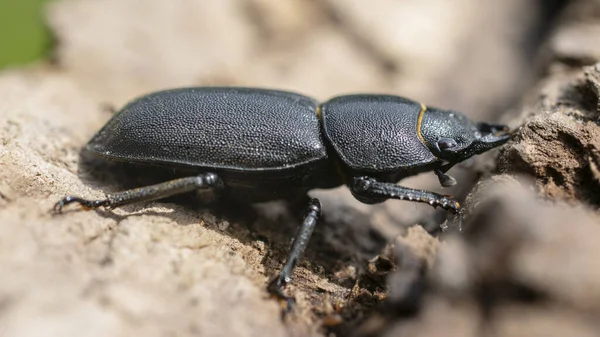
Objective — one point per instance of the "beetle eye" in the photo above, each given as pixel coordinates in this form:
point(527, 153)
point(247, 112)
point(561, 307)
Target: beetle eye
point(446, 143)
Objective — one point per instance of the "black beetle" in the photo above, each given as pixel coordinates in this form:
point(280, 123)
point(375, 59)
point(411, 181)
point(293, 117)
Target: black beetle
point(256, 145)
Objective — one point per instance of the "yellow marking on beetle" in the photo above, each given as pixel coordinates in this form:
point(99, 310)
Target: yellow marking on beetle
point(319, 113)
point(419, 121)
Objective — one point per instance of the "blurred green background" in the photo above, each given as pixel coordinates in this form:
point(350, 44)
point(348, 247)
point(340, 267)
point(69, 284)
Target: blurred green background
point(24, 36)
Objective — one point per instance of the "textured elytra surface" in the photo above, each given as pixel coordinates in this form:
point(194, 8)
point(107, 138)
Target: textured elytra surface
point(376, 133)
point(220, 128)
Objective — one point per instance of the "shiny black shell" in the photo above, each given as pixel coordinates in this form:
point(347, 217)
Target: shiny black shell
point(376, 133)
point(236, 129)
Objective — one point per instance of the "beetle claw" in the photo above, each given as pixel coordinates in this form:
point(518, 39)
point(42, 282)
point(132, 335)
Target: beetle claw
point(459, 220)
point(84, 203)
point(275, 287)
point(445, 180)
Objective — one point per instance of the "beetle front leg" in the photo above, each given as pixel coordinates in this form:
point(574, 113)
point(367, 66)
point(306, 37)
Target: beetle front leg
point(147, 193)
point(445, 180)
point(369, 189)
point(296, 251)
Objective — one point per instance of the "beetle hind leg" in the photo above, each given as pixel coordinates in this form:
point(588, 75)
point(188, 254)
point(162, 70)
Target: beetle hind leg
point(296, 251)
point(147, 193)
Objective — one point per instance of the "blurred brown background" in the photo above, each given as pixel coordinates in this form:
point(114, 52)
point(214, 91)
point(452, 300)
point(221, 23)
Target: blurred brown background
point(175, 269)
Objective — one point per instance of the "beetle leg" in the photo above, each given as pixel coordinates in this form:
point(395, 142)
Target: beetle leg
point(147, 193)
point(370, 189)
point(296, 252)
point(445, 180)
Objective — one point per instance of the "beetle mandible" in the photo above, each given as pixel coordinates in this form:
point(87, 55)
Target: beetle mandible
point(255, 145)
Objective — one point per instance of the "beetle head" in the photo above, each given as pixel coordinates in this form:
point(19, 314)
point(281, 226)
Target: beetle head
point(453, 137)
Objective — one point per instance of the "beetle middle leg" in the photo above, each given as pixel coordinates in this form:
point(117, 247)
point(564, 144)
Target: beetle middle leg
point(296, 251)
point(147, 193)
point(370, 190)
